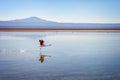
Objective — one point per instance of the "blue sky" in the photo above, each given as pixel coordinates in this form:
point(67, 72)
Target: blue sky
point(78, 11)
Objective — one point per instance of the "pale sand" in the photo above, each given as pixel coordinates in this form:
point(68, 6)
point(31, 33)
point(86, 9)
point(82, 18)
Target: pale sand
point(57, 30)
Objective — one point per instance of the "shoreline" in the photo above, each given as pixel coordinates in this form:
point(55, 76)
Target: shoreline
point(56, 30)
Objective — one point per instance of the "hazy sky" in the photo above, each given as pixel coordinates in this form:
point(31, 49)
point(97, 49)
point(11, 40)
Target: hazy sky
point(90, 11)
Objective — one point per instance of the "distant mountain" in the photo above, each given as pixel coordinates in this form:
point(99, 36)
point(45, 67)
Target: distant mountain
point(35, 22)
point(32, 19)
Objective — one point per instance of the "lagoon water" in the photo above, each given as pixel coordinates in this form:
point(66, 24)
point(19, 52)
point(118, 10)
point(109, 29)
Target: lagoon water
point(72, 56)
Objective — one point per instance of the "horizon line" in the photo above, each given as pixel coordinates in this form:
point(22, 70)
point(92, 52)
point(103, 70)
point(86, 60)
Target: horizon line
point(63, 21)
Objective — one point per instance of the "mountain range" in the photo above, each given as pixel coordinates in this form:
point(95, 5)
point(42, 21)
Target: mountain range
point(35, 22)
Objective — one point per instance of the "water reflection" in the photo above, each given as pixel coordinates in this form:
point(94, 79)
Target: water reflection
point(42, 57)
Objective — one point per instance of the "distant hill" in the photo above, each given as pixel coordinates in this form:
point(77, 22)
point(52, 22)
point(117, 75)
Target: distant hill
point(35, 22)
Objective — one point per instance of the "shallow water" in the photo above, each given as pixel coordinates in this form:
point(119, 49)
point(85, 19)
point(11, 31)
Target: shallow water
point(72, 56)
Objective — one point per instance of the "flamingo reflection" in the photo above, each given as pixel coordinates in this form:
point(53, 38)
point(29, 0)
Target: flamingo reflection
point(42, 57)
